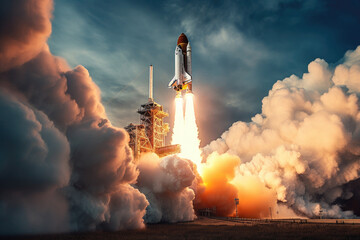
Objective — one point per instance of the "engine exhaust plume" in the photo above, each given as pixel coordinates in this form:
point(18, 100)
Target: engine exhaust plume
point(185, 130)
point(179, 124)
point(191, 145)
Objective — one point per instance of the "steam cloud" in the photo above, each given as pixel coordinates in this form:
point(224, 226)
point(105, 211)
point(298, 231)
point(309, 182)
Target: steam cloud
point(25, 29)
point(63, 165)
point(167, 182)
point(304, 146)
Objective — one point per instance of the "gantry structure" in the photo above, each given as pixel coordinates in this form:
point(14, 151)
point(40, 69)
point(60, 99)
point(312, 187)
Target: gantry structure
point(149, 135)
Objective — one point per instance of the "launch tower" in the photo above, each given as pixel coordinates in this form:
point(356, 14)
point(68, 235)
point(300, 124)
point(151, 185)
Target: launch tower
point(151, 116)
point(149, 135)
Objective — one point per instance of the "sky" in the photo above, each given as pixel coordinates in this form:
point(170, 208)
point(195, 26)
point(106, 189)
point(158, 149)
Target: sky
point(239, 50)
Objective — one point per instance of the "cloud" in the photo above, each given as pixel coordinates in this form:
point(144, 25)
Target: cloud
point(304, 143)
point(34, 165)
point(61, 152)
point(23, 38)
point(166, 183)
point(229, 42)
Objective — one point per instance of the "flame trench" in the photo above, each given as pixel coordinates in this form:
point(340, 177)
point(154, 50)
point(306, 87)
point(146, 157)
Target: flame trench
point(186, 131)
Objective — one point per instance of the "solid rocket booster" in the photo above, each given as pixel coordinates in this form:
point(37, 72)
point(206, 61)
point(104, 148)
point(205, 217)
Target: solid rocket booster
point(182, 79)
point(188, 64)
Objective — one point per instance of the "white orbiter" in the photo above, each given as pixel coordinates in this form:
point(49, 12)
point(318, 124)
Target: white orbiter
point(182, 79)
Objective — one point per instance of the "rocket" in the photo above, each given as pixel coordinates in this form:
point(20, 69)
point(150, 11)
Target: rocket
point(182, 79)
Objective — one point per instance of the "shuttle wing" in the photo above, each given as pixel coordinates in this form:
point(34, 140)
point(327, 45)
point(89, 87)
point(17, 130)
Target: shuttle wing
point(172, 83)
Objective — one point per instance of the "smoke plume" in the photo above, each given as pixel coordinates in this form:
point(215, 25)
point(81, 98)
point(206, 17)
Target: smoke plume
point(24, 30)
point(34, 165)
point(304, 146)
point(63, 166)
point(166, 183)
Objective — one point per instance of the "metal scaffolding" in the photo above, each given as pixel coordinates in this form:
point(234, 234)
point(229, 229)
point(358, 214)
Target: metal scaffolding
point(139, 142)
point(151, 116)
point(149, 135)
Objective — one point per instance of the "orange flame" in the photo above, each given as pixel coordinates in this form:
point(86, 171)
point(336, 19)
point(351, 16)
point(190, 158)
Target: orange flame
point(185, 130)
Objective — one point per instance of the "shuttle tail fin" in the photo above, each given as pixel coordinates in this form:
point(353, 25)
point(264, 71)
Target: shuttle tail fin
point(188, 77)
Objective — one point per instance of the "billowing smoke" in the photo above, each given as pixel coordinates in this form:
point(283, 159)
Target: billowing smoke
point(24, 30)
point(34, 158)
point(304, 146)
point(166, 183)
point(63, 167)
point(222, 185)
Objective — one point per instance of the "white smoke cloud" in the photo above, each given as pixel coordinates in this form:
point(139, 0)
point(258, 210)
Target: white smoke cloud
point(166, 183)
point(305, 143)
point(63, 165)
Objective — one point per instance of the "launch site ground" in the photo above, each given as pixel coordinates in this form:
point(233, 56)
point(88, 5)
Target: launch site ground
point(226, 228)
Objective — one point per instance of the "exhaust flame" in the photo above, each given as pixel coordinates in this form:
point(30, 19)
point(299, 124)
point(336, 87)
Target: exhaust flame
point(191, 145)
point(186, 131)
point(179, 124)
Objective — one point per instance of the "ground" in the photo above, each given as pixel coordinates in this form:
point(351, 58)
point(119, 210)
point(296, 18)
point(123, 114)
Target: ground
point(215, 228)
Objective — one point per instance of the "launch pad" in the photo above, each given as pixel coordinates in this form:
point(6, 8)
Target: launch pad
point(149, 135)
point(222, 228)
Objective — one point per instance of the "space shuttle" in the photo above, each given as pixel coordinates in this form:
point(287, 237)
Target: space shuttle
point(182, 79)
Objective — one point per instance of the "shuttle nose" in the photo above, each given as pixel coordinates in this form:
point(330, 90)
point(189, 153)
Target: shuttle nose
point(182, 41)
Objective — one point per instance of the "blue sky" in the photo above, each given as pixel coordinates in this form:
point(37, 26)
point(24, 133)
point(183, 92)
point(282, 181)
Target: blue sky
point(240, 49)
